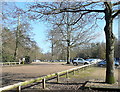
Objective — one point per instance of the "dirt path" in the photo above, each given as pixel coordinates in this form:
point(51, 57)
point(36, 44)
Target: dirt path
point(15, 74)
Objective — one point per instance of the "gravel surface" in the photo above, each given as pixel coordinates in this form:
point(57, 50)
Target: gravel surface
point(73, 83)
point(20, 73)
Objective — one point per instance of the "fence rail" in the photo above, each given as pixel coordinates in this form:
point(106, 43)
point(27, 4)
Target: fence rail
point(18, 85)
point(10, 63)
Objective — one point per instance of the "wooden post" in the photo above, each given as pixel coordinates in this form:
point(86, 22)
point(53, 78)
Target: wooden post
point(78, 70)
point(73, 72)
point(88, 66)
point(67, 74)
point(19, 89)
point(83, 68)
point(23, 62)
point(9, 63)
point(43, 83)
point(57, 78)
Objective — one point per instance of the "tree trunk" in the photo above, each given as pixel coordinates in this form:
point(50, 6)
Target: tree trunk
point(52, 48)
point(68, 40)
point(109, 45)
point(68, 52)
point(16, 47)
point(17, 39)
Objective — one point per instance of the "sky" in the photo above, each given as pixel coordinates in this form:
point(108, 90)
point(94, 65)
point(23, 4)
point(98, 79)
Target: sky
point(40, 30)
point(50, 0)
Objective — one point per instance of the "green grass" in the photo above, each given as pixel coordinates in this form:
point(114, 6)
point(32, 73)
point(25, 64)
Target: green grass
point(81, 73)
point(89, 72)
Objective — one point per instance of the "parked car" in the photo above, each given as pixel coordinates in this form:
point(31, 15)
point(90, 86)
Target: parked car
point(103, 63)
point(78, 61)
point(117, 64)
point(92, 60)
point(117, 60)
point(36, 60)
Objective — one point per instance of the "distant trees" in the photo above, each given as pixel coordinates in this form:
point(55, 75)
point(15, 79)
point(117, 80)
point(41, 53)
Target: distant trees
point(92, 50)
point(7, 45)
point(26, 46)
point(58, 48)
point(96, 50)
point(17, 41)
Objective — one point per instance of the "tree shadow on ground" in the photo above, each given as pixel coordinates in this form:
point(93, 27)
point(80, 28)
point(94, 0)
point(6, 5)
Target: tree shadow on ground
point(63, 83)
point(12, 78)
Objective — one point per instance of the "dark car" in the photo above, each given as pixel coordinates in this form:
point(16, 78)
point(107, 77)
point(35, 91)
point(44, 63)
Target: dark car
point(103, 63)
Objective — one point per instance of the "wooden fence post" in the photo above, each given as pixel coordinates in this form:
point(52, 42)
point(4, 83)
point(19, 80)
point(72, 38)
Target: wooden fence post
point(57, 78)
point(78, 70)
point(19, 89)
point(67, 74)
point(83, 68)
point(73, 72)
point(43, 83)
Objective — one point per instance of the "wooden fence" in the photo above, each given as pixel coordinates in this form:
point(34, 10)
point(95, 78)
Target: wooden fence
point(10, 63)
point(57, 75)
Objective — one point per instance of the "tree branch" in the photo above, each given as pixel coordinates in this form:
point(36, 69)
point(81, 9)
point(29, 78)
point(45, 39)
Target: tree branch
point(118, 12)
point(117, 3)
point(66, 10)
point(114, 11)
point(74, 11)
point(78, 18)
point(82, 6)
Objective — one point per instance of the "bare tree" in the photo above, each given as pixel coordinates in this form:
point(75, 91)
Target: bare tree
point(85, 8)
point(17, 39)
point(69, 35)
point(17, 34)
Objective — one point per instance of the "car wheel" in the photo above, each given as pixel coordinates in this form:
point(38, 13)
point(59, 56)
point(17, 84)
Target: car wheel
point(75, 64)
point(116, 65)
point(85, 63)
point(101, 65)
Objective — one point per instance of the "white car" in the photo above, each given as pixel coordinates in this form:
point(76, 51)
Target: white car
point(93, 60)
point(36, 60)
point(78, 61)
